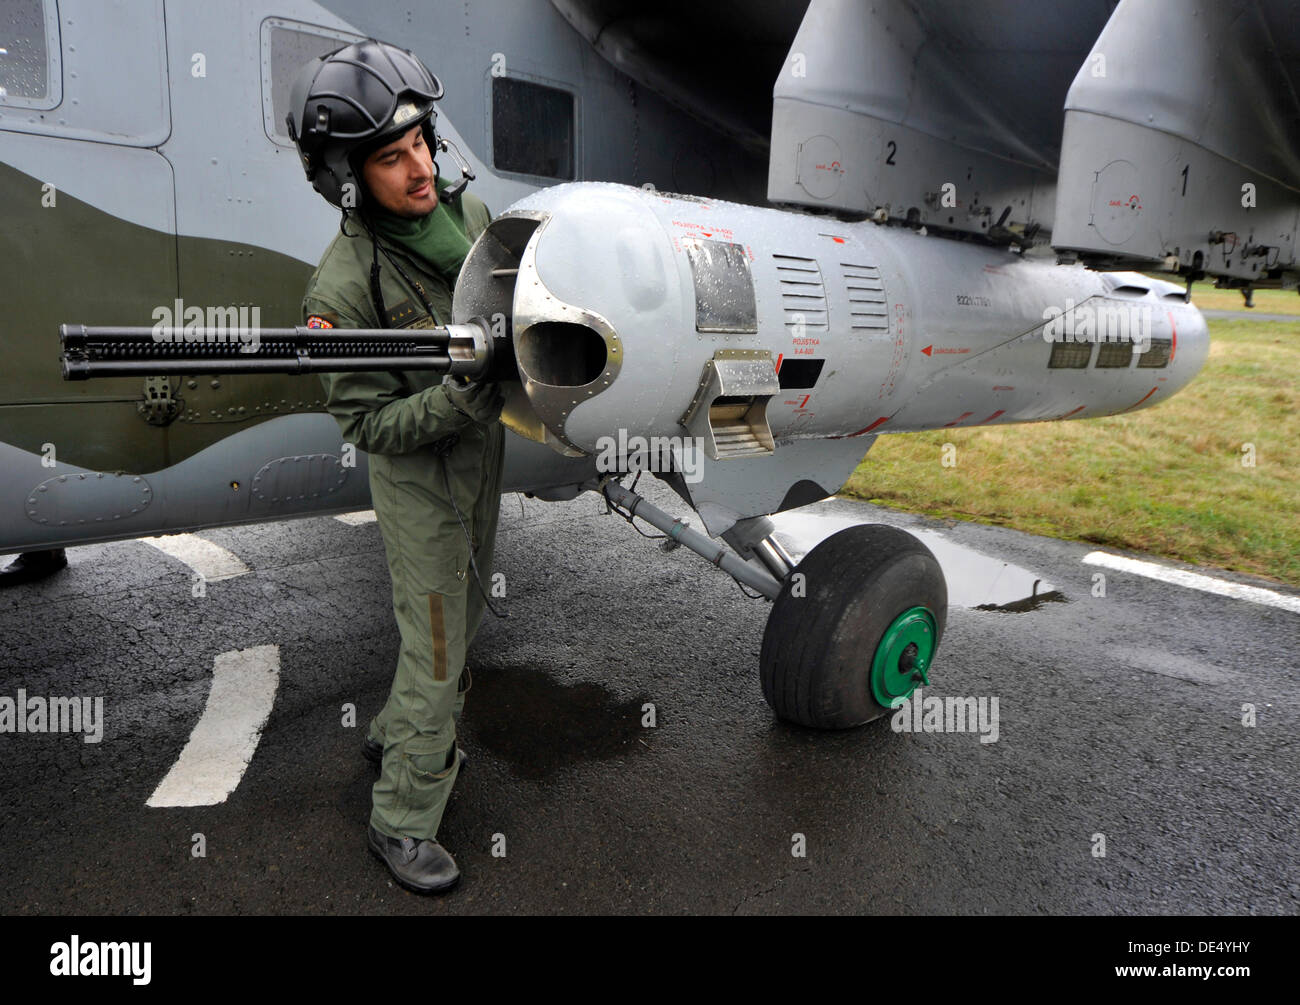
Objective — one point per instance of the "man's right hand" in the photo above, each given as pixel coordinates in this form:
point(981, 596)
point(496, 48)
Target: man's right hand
point(481, 401)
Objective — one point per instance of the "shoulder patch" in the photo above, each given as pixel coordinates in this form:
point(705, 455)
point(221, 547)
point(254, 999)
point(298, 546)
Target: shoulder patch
point(316, 321)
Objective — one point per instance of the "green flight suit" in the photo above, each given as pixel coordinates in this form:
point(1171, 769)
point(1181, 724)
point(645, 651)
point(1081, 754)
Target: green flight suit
point(396, 418)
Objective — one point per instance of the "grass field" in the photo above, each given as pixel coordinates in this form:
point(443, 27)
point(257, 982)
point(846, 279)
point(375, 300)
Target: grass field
point(1208, 298)
point(1168, 480)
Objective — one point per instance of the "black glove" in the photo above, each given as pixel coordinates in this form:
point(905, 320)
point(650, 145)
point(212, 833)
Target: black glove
point(480, 400)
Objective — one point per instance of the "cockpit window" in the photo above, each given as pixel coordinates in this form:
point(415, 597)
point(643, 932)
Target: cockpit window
point(29, 50)
point(287, 46)
point(532, 129)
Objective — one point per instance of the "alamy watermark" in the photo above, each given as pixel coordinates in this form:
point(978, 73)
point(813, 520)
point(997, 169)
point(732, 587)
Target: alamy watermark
point(75, 958)
point(52, 715)
point(1099, 322)
point(190, 324)
point(918, 714)
point(657, 454)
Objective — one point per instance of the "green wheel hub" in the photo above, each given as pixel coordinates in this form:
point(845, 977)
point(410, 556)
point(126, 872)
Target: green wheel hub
point(902, 660)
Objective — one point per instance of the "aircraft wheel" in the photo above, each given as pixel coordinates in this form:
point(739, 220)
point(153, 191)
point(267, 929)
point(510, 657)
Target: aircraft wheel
point(856, 626)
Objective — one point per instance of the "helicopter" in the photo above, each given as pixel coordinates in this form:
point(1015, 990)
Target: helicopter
point(732, 254)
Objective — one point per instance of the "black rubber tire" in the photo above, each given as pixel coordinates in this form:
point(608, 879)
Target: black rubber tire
point(817, 649)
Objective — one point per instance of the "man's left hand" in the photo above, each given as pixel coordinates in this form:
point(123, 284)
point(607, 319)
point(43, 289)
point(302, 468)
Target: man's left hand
point(481, 401)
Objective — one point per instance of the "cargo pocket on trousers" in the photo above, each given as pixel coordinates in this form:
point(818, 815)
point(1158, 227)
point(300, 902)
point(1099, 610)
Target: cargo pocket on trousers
point(431, 759)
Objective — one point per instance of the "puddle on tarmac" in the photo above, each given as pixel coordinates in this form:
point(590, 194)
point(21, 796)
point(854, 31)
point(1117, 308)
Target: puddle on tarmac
point(540, 726)
point(1030, 603)
point(975, 580)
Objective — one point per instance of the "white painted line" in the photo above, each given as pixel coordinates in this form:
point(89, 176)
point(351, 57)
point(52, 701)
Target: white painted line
point(356, 519)
point(213, 761)
point(1194, 580)
point(211, 561)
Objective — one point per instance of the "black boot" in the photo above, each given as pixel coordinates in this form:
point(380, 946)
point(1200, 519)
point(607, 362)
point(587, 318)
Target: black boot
point(33, 565)
point(418, 866)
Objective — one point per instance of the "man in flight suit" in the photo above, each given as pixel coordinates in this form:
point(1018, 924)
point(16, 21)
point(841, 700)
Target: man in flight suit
point(363, 119)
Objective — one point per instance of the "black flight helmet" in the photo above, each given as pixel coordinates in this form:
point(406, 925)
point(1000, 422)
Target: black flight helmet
point(351, 101)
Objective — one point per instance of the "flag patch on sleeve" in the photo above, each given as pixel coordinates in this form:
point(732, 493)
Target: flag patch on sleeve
point(316, 321)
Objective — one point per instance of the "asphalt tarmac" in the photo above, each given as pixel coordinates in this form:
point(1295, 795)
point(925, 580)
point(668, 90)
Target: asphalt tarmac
point(1251, 315)
point(1124, 777)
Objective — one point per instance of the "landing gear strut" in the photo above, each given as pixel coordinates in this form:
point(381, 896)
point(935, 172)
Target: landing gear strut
point(853, 628)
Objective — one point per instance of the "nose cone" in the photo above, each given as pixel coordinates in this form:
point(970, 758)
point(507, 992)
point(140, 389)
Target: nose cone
point(1190, 344)
point(1180, 340)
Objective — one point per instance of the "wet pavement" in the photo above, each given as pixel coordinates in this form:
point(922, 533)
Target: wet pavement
point(984, 582)
point(622, 758)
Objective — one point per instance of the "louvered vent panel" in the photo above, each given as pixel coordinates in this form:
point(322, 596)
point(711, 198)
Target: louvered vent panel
point(803, 293)
point(868, 309)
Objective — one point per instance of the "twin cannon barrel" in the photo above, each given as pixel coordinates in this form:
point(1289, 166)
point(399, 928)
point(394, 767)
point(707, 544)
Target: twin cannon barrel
point(466, 350)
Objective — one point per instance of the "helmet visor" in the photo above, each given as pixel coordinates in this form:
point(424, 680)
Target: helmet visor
point(369, 88)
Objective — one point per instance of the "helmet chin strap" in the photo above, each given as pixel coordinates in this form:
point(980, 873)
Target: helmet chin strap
point(376, 291)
